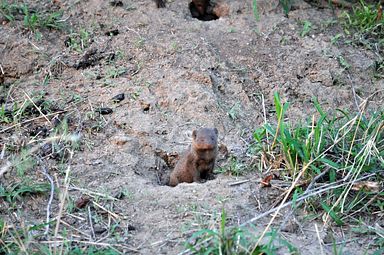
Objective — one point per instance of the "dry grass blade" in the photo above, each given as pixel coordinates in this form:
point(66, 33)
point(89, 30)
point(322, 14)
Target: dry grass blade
point(48, 210)
point(114, 215)
point(93, 193)
point(37, 108)
point(316, 192)
point(63, 198)
point(30, 120)
point(348, 126)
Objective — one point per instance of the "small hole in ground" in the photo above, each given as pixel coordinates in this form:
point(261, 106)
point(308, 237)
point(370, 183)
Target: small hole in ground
point(203, 10)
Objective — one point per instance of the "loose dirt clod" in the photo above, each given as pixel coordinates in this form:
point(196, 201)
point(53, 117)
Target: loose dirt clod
point(118, 98)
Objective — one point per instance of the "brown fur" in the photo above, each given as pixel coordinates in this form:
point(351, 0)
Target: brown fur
point(200, 6)
point(160, 3)
point(198, 160)
point(203, 9)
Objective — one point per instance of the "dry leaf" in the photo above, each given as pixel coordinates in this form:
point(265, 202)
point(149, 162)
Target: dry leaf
point(367, 186)
point(266, 182)
point(82, 201)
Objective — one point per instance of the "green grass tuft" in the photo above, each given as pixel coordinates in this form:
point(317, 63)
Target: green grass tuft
point(343, 147)
point(234, 240)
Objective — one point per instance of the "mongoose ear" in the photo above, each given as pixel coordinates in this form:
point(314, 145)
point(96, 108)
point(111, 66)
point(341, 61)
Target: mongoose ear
point(216, 131)
point(194, 134)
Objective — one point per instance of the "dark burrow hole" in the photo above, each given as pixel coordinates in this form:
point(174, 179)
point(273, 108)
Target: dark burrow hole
point(202, 10)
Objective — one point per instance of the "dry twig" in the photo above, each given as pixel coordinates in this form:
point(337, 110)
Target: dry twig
point(90, 223)
point(62, 203)
point(45, 173)
point(30, 120)
point(37, 108)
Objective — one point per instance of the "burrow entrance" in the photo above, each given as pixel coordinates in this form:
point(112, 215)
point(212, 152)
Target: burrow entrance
point(205, 10)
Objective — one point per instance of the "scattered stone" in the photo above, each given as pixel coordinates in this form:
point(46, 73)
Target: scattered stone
point(119, 195)
point(92, 57)
point(131, 227)
point(99, 229)
point(46, 149)
point(104, 110)
point(113, 32)
point(39, 131)
point(120, 140)
point(82, 201)
point(145, 106)
point(118, 98)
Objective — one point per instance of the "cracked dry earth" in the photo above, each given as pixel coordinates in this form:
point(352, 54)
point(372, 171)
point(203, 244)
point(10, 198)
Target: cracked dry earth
point(180, 74)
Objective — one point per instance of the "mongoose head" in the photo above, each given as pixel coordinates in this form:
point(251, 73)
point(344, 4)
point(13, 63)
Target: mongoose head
point(205, 139)
point(201, 6)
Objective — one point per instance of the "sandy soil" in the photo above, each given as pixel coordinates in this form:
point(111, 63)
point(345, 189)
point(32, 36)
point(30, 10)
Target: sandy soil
point(178, 74)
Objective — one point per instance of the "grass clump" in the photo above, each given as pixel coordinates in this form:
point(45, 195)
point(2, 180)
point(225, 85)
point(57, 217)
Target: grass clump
point(17, 190)
point(342, 153)
point(364, 18)
point(33, 20)
point(23, 241)
point(365, 24)
point(221, 239)
point(233, 167)
point(342, 142)
point(78, 41)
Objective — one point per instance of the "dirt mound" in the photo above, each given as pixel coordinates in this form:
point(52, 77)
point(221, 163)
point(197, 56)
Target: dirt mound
point(178, 74)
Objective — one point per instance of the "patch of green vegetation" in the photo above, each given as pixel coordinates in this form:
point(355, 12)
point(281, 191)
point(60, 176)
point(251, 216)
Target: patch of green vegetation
point(234, 240)
point(376, 231)
point(365, 18)
point(136, 94)
point(139, 42)
point(32, 20)
point(78, 41)
point(22, 241)
point(114, 72)
point(364, 26)
point(255, 10)
point(24, 162)
point(5, 115)
point(175, 47)
point(336, 38)
point(235, 111)
point(233, 167)
point(379, 69)
point(307, 26)
point(287, 5)
point(8, 10)
point(343, 63)
point(92, 250)
point(17, 190)
point(345, 149)
point(19, 111)
point(231, 30)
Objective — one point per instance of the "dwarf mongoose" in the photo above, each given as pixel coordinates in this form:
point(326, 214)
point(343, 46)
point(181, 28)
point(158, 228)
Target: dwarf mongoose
point(198, 161)
point(160, 3)
point(199, 5)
